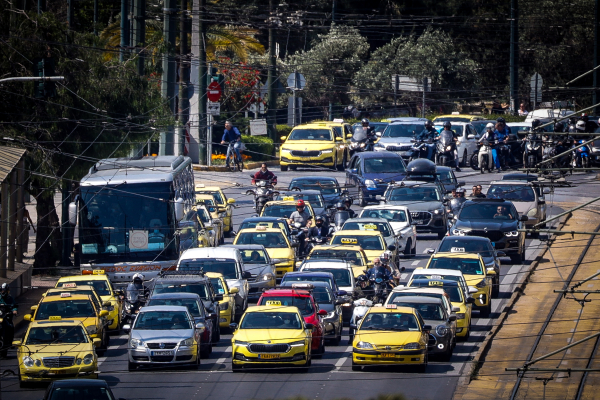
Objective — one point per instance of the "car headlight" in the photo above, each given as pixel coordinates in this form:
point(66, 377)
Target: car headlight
point(441, 330)
point(239, 343)
point(448, 148)
point(460, 315)
point(511, 234)
point(370, 184)
point(364, 345)
point(38, 363)
point(267, 277)
point(458, 232)
point(481, 284)
point(363, 145)
point(412, 346)
point(224, 306)
point(298, 343)
point(277, 260)
point(87, 360)
point(437, 212)
point(189, 342)
point(78, 361)
point(532, 212)
point(330, 314)
point(92, 329)
point(28, 361)
point(134, 343)
point(326, 151)
point(286, 151)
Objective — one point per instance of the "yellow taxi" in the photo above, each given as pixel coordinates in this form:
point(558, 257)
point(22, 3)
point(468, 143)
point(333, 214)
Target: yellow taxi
point(277, 244)
point(352, 254)
point(284, 208)
point(77, 307)
point(271, 335)
point(193, 232)
point(391, 335)
point(227, 305)
point(317, 144)
point(475, 273)
point(458, 118)
point(73, 288)
point(56, 349)
point(211, 206)
point(371, 241)
point(225, 206)
point(112, 300)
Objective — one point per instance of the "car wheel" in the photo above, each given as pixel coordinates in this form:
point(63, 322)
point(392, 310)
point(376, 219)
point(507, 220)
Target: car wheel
point(441, 235)
point(356, 367)
point(485, 312)
point(464, 159)
point(408, 249)
point(475, 162)
point(361, 198)
point(496, 288)
point(516, 258)
point(293, 167)
point(216, 336)
point(131, 366)
point(283, 168)
point(413, 251)
point(235, 368)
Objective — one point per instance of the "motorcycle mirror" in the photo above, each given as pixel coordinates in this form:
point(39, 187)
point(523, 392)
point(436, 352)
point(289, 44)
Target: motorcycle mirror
point(126, 327)
point(251, 176)
point(402, 269)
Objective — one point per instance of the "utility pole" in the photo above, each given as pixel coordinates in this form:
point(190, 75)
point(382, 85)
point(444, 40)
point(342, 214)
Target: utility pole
point(272, 112)
point(332, 24)
point(40, 6)
point(202, 87)
point(139, 32)
point(169, 73)
point(70, 13)
point(184, 77)
point(124, 29)
point(514, 56)
point(95, 17)
point(596, 53)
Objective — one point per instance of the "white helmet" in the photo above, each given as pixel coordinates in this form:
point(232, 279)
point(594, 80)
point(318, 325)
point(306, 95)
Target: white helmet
point(490, 125)
point(385, 257)
point(580, 124)
point(138, 276)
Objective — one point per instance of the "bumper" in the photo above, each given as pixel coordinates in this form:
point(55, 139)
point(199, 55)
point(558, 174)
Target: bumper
point(41, 374)
point(256, 288)
point(297, 355)
point(439, 345)
point(370, 194)
point(184, 355)
point(436, 224)
point(325, 160)
point(462, 326)
point(374, 357)
point(282, 268)
point(225, 317)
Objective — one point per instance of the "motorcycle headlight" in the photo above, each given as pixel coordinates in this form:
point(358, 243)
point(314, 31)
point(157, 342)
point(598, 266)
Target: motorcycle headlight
point(532, 212)
point(87, 360)
point(326, 151)
point(481, 284)
point(362, 145)
point(458, 232)
point(134, 343)
point(370, 184)
point(412, 346)
point(441, 330)
point(460, 315)
point(224, 306)
point(511, 234)
point(448, 148)
point(297, 344)
point(92, 329)
point(189, 342)
point(28, 361)
point(364, 345)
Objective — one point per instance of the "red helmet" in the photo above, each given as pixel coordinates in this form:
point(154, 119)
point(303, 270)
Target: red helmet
point(300, 203)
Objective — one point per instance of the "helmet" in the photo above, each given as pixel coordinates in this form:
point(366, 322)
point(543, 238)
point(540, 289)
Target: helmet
point(138, 277)
point(501, 120)
point(428, 123)
point(385, 257)
point(447, 124)
point(535, 123)
point(365, 121)
point(490, 126)
point(4, 288)
point(319, 218)
point(339, 204)
point(460, 190)
point(580, 124)
point(300, 203)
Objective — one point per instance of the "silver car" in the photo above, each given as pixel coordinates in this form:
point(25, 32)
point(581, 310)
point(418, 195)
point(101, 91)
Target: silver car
point(261, 267)
point(164, 335)
point(398, 135)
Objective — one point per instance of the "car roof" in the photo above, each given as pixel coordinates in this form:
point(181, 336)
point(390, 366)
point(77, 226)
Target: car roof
point(378, 154)
point(486, 200)
point(314, 283)
point(418, 289)
point(385, 207)
point(291, 309)
point(66, 289)
point(164, 308)
point(72, 278)
point(181, 276)
point(364, 219)
point(314, 178)
point(440, 271)
point(309, 273)
point(245, 246)
point(80, 383)
point(176, 295)
point(72, 297)
point(422, 300)
point(47, 323)
point(214, 275)
point(201, 187)
point(327, 263)
point(261, 219)
point(384, 309)
point(260, 229)
point(445, 282)
point(346, 247)
point(519, 176)
point(467, 238)
point(464, 116)
point(358, 233)
point(209, 252)
point(287, 292)
point(472, 256)
point(301, 193)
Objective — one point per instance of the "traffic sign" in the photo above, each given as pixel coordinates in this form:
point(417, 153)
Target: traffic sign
point(536, 88)
point(214, 92)
point(213, 108)
point(296, 81)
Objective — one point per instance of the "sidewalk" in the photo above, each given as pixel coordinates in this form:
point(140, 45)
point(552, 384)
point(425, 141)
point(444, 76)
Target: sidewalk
point(516, 336)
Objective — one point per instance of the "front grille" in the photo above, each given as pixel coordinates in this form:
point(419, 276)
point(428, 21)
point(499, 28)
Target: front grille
point(494, 236)
point(398, 148)
point(252, 278)
point(421, 216)
point(162, 358)
point(58, 362)
point(390, 347)
point(308, 153)
point(140, 358)
point(156, 346)
point(269, 348)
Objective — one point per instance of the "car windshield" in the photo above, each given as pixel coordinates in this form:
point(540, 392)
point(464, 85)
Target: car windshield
point(450, 245)
point(311, 134)
point(279, 224)
point(306, 278)
point(453, 291)
point(341, 276)
point(56, 335)
point(458, 129)
point(162, 321)
point(397, 297)
point(270, 240)
point(224, 266)
point(488, 211)
point(322, 295)
point(368, 226)
point(191, 305)
point(427, 311)
point(518, 193)
point(388, 165)
point(466, 266)
point(271, 320)
point(199, 288)
point(414, 194)
point(424, 275)
point(389, 322)
point(81, 392)
point(315, 200)
point(216, 195)
point(446, 176)
point(65, 309)
point(253, 256)
point(304, 304)
point(325, 186)
point(100, 286)
point(218, 285)
point(203, 214)
point(280, 210)
point(390, 215)
point(364, 241)
point(403, 130)
point(352, 256)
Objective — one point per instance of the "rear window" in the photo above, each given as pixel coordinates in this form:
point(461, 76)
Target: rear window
point(466, 266)
point(177, 287)
point(304, 304)
point(367, 226)
point(191, 305)
point(341, 276)
point(101, 287)
point(226, 267)
point(65, 309)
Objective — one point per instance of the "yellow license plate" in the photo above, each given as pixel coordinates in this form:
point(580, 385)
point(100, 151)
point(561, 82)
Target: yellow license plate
point(387, 355)
point(59, 372)
point(268, 356)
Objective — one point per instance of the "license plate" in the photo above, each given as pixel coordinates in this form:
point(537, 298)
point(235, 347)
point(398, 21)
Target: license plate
point(162, 353)
point(268, 356)
point(418, 221)
point(388, 355)
point(59, 372)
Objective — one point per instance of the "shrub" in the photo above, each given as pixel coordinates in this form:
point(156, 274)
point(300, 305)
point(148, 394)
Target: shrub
point(260, 148)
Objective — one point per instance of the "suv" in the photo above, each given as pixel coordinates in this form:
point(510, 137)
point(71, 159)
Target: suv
point(425, 201)
point(398, 137)
point(495, 219)
point(176, 281)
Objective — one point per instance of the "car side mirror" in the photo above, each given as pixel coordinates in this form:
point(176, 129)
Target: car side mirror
point(342, 293)
point(246, 275)
point(472, 290)
point(294, 244)
point(73, 214)
point(452, 318)
point(391, 247)
point(179, 212)
point(349, 136)
point(378, 134)
point(546, 191)
point(379, 198)
point(500, 254)
point(322, 313)
point(200, 326)
point(283, 138)
point(33, 308)
point(234, 290)
point(523, 218)
point(451, 215)
point(471, 136)
point(230, 201)
point(103, 313)
point(309, 326)
point(460, 183)
point(233, 326)
point(97, 342)
point(219, 297)
point(27, 317)
point(541, 201)
point(427, 327)
point(470, 300)
point(430, 251)
point(126, 327)
point(352, 326)
point(455, 309)
point(353, 170)
point(17, 343)
point(338, 139)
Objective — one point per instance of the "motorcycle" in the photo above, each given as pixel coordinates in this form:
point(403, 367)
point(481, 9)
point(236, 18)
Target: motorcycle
point(134, 300)
point(6, 324)
point(445, 149)
point(482, 158)
point(552, 148)
point(362, 140)
point(361, 307)
point(533, 149)
point(419, 149)
point(263, 193)
point(581, 156)
point(339, 218)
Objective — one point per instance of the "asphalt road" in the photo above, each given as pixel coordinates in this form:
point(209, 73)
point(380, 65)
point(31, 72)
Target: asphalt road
point(328, 378)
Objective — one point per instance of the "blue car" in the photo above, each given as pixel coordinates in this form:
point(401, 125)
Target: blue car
point(371, 171)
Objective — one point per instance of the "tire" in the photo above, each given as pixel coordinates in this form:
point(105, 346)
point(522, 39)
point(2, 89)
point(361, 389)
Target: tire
point(131, 366)
point(485, 312)
point(293, 167)
point(464, 160)
point(516, 258)
point(496, 288)
point(413, 251)
point(216, 336)
point(441, 235)
point(408, 248)
point(345, 161)
point(361, 198)
point(283, 168)
point(235, 368)
point(356, 367)
point(474, 161)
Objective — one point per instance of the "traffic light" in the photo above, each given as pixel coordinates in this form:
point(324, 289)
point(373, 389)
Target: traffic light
point(44, 67)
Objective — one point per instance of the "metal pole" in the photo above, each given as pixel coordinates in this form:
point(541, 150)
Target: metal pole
point(70, 13)
point(535, 91)
point(139, 38)
point(124, 29)
point(33, 78)
point(424, 88)
point(202, 89)
point(40, 6)
point(4, 227)
point(184, 77)
point(565, 117)
point(209, 119)
point(566, 152)
point(395, 91)
point(514, 55)
point(169, 73)
point(293, 107)
point(12, 215)
point(65, 250)
point(561, 349)
point(272, 96)
point(333, 7)
point(557, 232)
point(596, 53)
point(21, 238)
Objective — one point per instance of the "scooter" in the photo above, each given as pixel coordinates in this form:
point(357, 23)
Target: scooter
point(533, 150)
point(361, 307)
point(419, 150)
point(482, 158)
point(135, 299)
point(263, 193)
point(581, 156)
point(445, 149)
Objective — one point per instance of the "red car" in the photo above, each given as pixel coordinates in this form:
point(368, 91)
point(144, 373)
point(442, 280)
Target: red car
point(304, 300)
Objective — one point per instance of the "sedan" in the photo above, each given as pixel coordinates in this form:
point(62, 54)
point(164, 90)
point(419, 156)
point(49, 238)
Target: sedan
point(400, 221)
point(97, 389)
point(376, 224)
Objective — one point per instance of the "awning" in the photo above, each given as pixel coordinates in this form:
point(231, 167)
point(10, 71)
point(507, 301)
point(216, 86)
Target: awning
point(9, 158)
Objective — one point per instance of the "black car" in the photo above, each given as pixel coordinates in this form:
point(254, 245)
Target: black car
point(177, 281)
point(496, 219)
point(328, 186)
point(96, 389)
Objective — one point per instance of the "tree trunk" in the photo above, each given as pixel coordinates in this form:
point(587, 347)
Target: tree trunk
point(47, 240)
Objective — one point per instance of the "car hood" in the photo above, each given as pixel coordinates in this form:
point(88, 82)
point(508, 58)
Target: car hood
point(388, 141)
point(394, 338)
point(398, 226)
point(69, 350)
point(258, 269)
point(524, 206)
point(273, 335)
point(307, 145)
point(162, 335)
point(495, 225)
point(284, 254)
point(418, 206)
point(488, 260)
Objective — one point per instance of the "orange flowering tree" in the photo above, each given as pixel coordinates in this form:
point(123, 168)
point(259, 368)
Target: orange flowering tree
point(242, 84)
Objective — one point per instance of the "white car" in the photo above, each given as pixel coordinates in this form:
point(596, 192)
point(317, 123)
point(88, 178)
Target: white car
point(400, 221)
point(403, 291)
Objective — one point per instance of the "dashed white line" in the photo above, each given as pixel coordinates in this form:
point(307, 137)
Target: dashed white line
point(415, 262)
point(342, 360)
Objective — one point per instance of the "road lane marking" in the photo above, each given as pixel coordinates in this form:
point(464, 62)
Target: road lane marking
point(415, 262)
point(403, 276)
point(342, 360)
point(222, 359)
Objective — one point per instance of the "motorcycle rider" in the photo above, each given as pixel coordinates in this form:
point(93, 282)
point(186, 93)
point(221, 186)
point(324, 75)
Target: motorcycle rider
point(264, 175)
point(501, 133)
point(379, 270)
point(491, 138)
point(369, 130)
point(137, 286)
point(457, 202)
point(303, 217)
point(8, 329)
point(319, 230)
point(429, 133)
point(448, 128)
point(347, 204)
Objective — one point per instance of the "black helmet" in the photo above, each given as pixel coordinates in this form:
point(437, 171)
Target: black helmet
point(319, 218)
point(365, 121)
point(428, 123)
point(501, 120)
point(339, 204)
point(447, 124)
point(535, 123)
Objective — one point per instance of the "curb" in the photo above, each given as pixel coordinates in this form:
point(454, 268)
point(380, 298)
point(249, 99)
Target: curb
point(466, 377)
point(222, 168)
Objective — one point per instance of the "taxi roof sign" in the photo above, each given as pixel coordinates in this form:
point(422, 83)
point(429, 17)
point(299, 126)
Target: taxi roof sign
point(436, 283)
point(69, 285)
point(391, 306)
point(98, 272)
point(371, 227)
point(457, 250)
point(349, 241)
point(288, 198)
point(261, 228)
point(55, 318)
point(273, 303)
point(308, 286)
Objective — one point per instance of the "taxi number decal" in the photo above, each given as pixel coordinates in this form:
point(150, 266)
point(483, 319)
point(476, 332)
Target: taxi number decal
point(273, 303)
point(457, 250)
point(288, 198)
point(435, 277)
point(349, 241)
point(392, 306)
point(436, 283)
point(371, 227)
point(98, 272)
point(65, 295)
point(55, 318)
point(69, 285)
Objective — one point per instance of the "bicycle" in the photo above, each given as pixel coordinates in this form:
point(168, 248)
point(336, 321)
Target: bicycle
point(233, 158)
